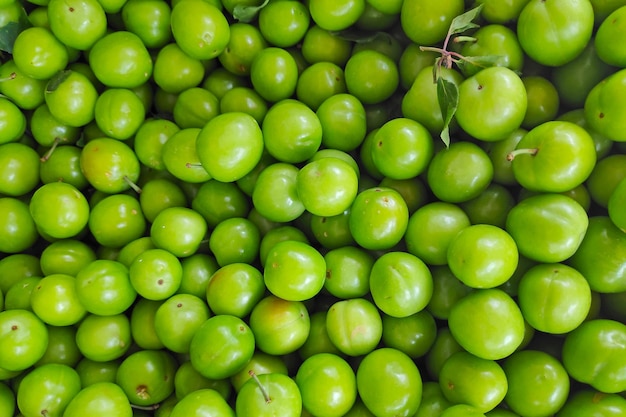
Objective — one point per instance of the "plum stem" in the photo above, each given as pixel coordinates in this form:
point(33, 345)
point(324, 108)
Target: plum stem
point(447, 58)
point(525, 151)
point(11, 76)
point(50, 151)
point(132, 185)
point(145, 407)
point(460, 39)
point(261, 387)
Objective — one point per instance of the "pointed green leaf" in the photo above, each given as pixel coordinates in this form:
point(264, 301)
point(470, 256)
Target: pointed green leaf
point(445, 136)
point(448, 98)
point(437, 69)
point(82, 140)
point(7, 36)
point(358, 36)
point(57, 80)
point(484, 61)
point(465, 21)
point(9, 32)
point(247, 14)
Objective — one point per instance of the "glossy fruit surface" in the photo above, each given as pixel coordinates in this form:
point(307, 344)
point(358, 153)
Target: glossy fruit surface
point(274, 74)
point(327, 383)
point(354, 326)
point(155, 274)
point(371, 76)
point(292, 132)
point(467, 379)
point(177, 320)
point(572, 25)
point(383, 231)
point(503, 329)
point(100, 399)
point(426, 23)
point(120, 59)
point(147, 376)
point(294, 271)
point(48, 390)
point(566, 148)
point(591, 401)
point(109, 165)
point(344, 122)
point(24, 338)
point(117, 220)
point(207, 352)
point(565, 295)
point(280, 326)
point(49, 209)
point(400, 284)
point(403, 148)
point(498, 40)
point(482, 256)
point(347, 272)
point(71, 97)
point(492, 103)
point(272, 394)
point(235, 289)
point(115, 330)
point(327, 187)
point(459, 172)
point(119, 113)
point(19, 231)
point(275, 194)
point(55, 300)
point(205, 35)
point(178, 230)
point(78, 24)
point(13, 130)
point(149, 20)
point(400, 383)
point(545, 396)
point(602, 339)
point(546, 214)
point(225, 158)
point(336, 15)
point(39, 54)
point(614, 206)
point(601, 103)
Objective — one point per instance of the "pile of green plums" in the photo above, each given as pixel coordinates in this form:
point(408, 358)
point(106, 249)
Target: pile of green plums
point(220, 208)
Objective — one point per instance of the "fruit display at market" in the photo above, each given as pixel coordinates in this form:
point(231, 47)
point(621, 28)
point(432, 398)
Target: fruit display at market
point(388, 208)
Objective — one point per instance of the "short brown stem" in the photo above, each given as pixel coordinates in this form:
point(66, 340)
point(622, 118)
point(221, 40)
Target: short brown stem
point(11, 76)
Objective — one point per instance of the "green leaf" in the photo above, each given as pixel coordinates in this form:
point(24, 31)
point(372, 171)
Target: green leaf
point(359, 36)
point(448, 98)
point(436, 69)
point(9, 32)
point(57, 80)
point(247, 14)
point(484, 61)
point(464, 21)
